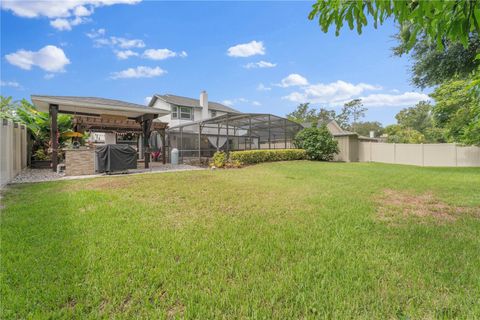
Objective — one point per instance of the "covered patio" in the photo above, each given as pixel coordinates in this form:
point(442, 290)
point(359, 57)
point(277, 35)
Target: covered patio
point(101, 115)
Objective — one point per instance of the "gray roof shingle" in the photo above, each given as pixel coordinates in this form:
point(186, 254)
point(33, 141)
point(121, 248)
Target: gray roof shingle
point(195, 103)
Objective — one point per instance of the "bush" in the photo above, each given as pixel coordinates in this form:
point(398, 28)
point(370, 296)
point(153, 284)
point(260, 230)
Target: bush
point(258, 156)
point(318, 143)
point(219, 159)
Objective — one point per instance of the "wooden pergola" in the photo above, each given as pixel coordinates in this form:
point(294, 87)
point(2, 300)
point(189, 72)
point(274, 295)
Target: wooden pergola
point(100, 114)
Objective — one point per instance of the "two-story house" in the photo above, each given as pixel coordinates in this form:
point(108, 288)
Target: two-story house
point(184, 110)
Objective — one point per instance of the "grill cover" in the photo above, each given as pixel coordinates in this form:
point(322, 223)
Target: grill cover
point(115, 157)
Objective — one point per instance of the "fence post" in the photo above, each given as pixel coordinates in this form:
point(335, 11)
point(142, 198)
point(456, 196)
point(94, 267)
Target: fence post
point(394, 153)
point(370, 150)
point(423, 155)
point(456, 155)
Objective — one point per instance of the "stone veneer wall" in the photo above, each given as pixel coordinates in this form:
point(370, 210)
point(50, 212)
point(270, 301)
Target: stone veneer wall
point(79, 162)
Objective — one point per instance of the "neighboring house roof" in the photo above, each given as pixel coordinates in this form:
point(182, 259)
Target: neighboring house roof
point(92, 105)
point(189, 102)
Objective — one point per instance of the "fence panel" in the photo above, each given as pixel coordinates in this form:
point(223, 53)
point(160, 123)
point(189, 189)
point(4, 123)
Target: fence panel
point(13, 150)
point(433, 155)
point(409, 154)
point(383, 152)
point(468, 156)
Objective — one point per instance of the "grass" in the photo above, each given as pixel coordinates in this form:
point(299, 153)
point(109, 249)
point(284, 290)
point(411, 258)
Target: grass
point(279, 240)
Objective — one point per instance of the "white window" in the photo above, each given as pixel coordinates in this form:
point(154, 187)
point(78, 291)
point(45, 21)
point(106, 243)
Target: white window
point(183, 113)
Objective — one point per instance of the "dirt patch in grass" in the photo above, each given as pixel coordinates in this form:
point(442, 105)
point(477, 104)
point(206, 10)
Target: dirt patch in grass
point(176, 310)
point(106, 183)
point(394, 205)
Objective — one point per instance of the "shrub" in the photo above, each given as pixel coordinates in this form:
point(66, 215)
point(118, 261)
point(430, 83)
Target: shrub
point(258, 156)
point(318, 143)
point(41, 155)
point(219, 159)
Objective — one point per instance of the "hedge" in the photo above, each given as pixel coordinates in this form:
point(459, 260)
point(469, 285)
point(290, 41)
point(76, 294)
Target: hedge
point(257, 156)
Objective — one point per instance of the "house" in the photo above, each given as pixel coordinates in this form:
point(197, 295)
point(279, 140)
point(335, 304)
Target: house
point(184, 110)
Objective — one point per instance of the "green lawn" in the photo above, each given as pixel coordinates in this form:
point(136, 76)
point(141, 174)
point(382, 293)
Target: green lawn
point(279, 240)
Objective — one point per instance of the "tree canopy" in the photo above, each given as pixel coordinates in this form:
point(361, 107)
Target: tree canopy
point(432, 67)
point(439, 21)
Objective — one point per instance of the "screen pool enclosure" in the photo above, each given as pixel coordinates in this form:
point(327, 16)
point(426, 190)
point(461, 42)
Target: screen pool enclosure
point(199, 140)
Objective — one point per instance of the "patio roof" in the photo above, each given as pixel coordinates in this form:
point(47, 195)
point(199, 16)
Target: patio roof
point(91, 106)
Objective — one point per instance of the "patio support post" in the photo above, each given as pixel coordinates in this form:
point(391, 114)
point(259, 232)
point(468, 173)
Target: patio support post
point(164, 145)
point(199, 143)
point(146, 124)
point(218, 135)
point(180, 151)
point(53, 112)
point(285, 131)
point(228, 143)
point(250, 131)
point(269, 138)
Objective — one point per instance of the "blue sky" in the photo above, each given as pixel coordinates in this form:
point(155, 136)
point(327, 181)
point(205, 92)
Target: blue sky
point(254, 56)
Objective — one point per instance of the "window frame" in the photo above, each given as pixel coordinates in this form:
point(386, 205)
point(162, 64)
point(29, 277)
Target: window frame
point(178, 113)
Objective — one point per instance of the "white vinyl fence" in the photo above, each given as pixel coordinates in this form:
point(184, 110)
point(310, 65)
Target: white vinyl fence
point(434, 155)
point(13, 150)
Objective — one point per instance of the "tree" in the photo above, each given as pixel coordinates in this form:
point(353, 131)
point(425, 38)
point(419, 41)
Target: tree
point(438, 21)
point(364, 128)
point(305, 114)
point(317, 142)
point(37, 123)
point(457, 111)
point(351, 112)
point(432, 67)
point(398, 134)
point(418, 117)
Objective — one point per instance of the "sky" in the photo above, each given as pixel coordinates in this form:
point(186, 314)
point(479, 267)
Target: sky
point(264, 57)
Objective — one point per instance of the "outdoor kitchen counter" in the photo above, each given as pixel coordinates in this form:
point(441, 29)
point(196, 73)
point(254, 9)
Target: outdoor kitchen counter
point(80, 161)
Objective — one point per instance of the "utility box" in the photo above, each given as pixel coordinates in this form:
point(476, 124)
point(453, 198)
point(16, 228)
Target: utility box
point(174, 156)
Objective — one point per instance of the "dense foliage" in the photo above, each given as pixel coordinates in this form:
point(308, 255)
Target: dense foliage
point(432, 67)
point(349, 115)
point(318, 143)
point(398, 134)
point(438, 21)
point(258, 156)
point(364, 128)
point(219, 159)
point(457, 112)
point(37, 123)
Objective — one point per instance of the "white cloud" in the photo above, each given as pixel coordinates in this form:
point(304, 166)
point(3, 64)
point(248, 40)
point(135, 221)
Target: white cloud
point(96, 33)
point(232, 102)
point(228, 103)
point(73, 10)
point(12, 84)
point(334, 93)
point(247, 49)
point(49, 58)
point(125, 54)
point(65, 24)
point(292, 80)
point(338, 92)
point(405, 99)
point(262, 87)
point(260, 64)
point(147, 100)
point(162, 54)
point(119, 42)
point(49, 76)
point(139, 72)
